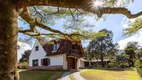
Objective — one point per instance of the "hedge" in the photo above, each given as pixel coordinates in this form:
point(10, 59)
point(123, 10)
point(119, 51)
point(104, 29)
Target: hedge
point(138, 65)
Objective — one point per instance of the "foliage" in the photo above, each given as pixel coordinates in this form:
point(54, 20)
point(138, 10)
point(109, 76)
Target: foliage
point(122, 60)
point(112, 65)
point(102, 45)
point(134, 27)
point(130, 51)
point(25, 56)
point(138, 53)
point(23, 65)
point(88, 56)
point(138, 65)
point(74, 20)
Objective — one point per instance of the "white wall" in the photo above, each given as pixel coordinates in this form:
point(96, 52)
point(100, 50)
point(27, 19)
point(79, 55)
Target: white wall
point(65, 67)
point(40, 54)
point(56, 60)
point(80, 63)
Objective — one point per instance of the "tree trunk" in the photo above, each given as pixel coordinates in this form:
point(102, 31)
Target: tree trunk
point(8, 41)
point(89, 63)
point(102, 60)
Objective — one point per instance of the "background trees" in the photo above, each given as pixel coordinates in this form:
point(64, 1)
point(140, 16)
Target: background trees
point(25, 56)
point(24, 61)
point(138, 53)
point(138, 65)
point(122, 60)
point(102, 46)
point(130, 51)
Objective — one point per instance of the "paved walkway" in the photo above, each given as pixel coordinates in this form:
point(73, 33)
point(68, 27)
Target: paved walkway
point(65, 76)
point(76, 75)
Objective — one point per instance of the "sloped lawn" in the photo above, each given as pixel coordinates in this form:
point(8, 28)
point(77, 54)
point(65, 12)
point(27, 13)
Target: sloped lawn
point(40, 75)
point(115, 74)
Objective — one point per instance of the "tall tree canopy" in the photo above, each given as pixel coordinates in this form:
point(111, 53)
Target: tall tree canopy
point(102, 45)
point(11, 10)
point(130, 50)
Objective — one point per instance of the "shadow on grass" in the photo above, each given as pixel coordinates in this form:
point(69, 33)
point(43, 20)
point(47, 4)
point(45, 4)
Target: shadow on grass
point(40, 75)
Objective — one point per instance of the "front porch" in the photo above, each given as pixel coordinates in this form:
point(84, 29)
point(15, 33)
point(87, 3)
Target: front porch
point(71, 62)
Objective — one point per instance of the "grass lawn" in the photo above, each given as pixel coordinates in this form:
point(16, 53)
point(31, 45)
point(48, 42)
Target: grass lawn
point(116, 74)
point(40, 75)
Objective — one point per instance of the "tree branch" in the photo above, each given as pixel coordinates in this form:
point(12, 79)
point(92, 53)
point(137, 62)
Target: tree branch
point(80, 4)
point(72, 14)
point(119, 10)
point(26, 15)
point(35, 35)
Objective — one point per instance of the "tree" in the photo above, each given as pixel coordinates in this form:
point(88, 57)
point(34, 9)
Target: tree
point(122, 59)
point(88, 56)
point(102, 45)
point(113, 51)
point(138, 53)
point(130, 50)
point(12, 9)
point(138, 65)
point(134, 27)
point(25, 56)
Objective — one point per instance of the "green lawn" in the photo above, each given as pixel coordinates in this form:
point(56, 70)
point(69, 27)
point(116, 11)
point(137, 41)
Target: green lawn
point(40, 75)
point(117, 74)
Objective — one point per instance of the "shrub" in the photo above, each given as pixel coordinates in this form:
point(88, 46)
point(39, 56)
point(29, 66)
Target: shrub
point(112, 65)
point(99, 66)
point(81, 68)
point(138, 65)
point(23, 65)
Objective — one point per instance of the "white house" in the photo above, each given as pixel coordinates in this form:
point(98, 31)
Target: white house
point(57, 55)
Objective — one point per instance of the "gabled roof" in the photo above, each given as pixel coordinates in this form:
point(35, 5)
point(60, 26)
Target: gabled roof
point(65, 47)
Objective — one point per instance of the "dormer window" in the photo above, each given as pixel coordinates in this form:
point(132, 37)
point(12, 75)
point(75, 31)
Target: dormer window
point(54, 47)
point(36, 48)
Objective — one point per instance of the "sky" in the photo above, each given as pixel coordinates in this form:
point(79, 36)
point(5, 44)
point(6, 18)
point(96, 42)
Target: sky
point(114, 22)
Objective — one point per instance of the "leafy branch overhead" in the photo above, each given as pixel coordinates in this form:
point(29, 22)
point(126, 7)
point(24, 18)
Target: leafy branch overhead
point(35, 18)
point(134, 27)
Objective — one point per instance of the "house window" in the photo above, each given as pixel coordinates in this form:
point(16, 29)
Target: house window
point(45, 62)
point(35, 62)
point(86, 64)
point(54, 47)
point(36, 48)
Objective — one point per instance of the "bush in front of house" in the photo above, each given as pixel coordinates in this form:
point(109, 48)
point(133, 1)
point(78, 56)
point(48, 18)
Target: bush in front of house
point(23, 65)
point(138, 65)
